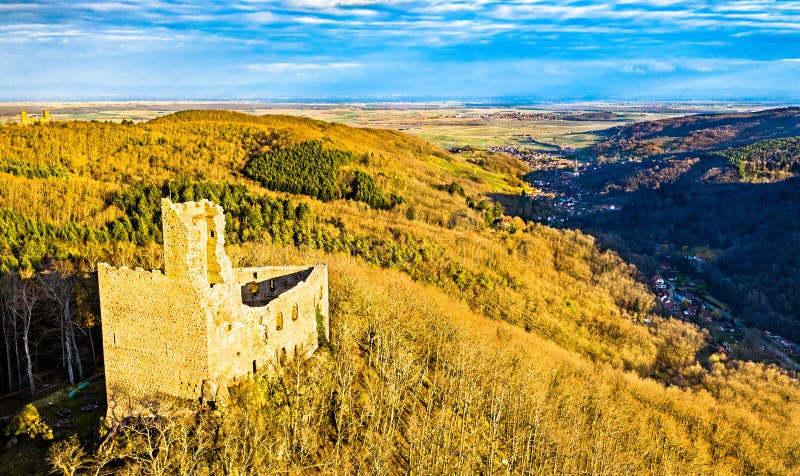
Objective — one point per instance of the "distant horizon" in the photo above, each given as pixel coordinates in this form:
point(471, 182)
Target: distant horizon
point(464, 102)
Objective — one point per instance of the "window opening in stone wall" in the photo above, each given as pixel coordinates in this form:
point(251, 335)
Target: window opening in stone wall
point(114, 337)
point(283, 355)
point(295, 312)
point(279, 321)
point(252, 287)
point(321, 291)
point(255, 368)
point(255, 275)
point(271, 284)
point(212, 265)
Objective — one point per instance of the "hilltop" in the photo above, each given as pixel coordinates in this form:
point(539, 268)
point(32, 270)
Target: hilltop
point(463, 339)
point(699, 133)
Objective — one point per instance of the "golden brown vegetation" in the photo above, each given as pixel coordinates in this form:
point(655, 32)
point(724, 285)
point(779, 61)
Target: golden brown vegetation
point(457, 347)
point(415, 382)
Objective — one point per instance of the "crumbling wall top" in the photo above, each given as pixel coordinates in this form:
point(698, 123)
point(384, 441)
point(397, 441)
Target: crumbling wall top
point(194, 242)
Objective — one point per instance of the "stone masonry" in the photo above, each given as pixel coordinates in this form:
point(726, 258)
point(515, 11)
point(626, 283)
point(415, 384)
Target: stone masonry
point(185, 334)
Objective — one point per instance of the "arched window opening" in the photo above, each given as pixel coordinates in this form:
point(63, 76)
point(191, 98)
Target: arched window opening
point(279, 321)
point(295, 312)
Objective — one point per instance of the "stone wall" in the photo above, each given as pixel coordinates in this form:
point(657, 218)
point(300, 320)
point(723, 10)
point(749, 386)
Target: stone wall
point(266, 333)
point(154, 339)
point(188, 333)
point(194, 242)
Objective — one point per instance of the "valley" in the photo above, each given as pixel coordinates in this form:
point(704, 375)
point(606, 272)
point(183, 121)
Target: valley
point(487, 312)
point(611, 196)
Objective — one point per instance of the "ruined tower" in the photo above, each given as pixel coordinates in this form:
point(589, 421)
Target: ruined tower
point(185, 334)
point(25, 120)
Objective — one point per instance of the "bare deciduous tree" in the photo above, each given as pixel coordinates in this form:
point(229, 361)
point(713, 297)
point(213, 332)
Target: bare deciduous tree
point(58, 283)
point(67, 456)
point(24, 294)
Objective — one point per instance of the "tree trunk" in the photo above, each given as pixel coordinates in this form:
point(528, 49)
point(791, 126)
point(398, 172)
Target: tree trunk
point(16, 353)
point(58, 284)
point(66, 354)
point(8, 356)
point(28, 361)
point(71, 327)
point(66, 347)
point(91, 345)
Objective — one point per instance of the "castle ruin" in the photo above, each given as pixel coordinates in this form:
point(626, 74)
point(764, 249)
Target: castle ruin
point(185, 334)
point(25, 120)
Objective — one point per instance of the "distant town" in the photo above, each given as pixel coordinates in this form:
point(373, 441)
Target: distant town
point(680, 292)
point(551, 116)
point(555, 179)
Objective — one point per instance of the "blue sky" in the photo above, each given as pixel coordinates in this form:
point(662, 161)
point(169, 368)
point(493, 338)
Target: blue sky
point(398, 49)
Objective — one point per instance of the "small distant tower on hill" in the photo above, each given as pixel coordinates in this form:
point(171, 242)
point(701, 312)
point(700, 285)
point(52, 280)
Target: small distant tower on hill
point(25, 120)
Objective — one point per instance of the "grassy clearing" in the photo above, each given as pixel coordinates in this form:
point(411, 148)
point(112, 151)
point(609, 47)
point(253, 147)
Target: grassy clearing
point(463, 169)
point(26, 457)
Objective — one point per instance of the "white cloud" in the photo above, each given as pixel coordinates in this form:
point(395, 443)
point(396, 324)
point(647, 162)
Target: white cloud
point(302, 67)
point(13, 7)
point(324, 4)
point(309, 20)
point(261, 17)
point(108, 6)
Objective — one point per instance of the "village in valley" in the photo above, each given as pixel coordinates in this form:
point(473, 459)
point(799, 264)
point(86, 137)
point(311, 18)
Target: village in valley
point(556, 184)
point(681, 292)
point(684, 296)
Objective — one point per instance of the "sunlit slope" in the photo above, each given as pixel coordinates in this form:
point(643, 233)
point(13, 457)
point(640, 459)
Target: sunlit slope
point(423, 384)
point(215, 146)
point(475, 338)
point(554, 283)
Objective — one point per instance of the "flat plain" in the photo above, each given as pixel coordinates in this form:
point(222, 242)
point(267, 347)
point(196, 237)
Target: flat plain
point(444, 124)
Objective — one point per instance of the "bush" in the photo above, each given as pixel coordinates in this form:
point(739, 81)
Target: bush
point(27, 422)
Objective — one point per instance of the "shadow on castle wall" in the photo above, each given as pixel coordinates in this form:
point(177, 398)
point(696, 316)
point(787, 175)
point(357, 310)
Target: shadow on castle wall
point(260, 293)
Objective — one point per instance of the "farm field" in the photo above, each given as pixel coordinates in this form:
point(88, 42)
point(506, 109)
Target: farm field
point(446, 125)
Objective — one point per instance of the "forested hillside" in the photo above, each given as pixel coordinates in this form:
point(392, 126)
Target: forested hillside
point(699, 133)
point(463, 341)
point(740, 203)
point(752, 229)
point(767, 159)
